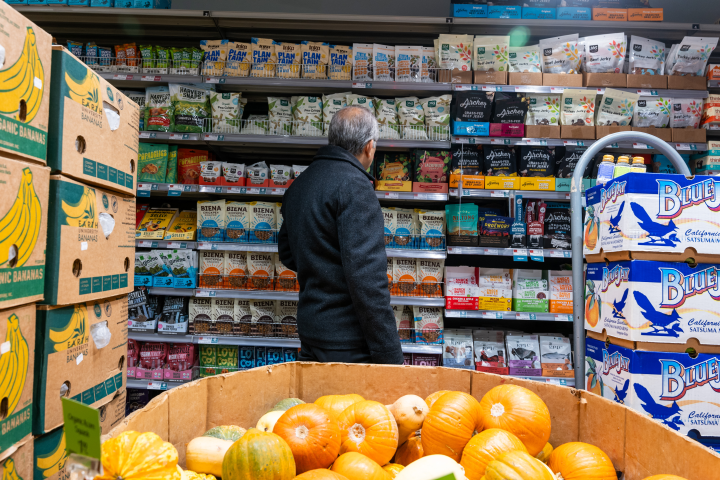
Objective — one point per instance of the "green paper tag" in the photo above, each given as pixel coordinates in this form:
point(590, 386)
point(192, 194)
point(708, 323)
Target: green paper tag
point(82, 428)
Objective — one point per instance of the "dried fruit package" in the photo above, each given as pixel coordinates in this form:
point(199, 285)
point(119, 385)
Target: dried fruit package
point(383, 63)
point(289, 59)
point(578, 107)
point(408, 60)
point(690, 57)
point(543, 109)
point(362, 62)
point(524, 59)
point(340, 62)
point(490, 53)
point(455, 51)
point(616, 107)
point(605, 53)
point(190, 105)
point(264, 57)
point(315, 58)
point(159, 113)
point(561, 54)
point(647, 57)
point(652, 112)
point(686, 113)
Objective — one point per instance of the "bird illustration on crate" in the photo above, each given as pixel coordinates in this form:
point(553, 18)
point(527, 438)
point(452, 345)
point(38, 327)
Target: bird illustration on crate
point(668, 414)
point(615, 220)
point(657, 233)
point(662, 324)
point(621, 393)
point(619, 305)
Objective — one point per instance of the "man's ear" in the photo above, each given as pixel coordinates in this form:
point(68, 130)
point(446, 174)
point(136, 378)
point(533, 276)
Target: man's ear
point(368, 150)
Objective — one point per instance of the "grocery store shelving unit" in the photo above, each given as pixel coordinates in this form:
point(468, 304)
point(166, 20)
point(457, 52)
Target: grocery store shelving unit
point(510, 252)
point(495, 315)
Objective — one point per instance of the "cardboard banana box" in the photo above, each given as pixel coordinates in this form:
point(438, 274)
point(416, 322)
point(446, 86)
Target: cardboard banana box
point(81, 352)
point(25, 86)
point(18, 465)
point(23, 231)
point(17, 362)
point(93, 127)
point(91, 243)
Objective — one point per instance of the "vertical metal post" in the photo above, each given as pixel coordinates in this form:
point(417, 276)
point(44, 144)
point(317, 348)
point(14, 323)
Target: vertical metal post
point(576, 215)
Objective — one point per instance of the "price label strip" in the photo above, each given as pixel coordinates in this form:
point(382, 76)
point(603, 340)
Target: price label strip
point(537, 255)
point(520, 255)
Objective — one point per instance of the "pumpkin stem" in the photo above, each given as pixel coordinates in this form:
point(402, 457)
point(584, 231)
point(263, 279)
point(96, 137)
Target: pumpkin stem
point(417, 410)
point(497, 410)
point(357, 433)
point(302, 432)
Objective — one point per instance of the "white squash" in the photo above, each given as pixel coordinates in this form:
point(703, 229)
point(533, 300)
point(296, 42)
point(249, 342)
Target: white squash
point(267, 421)
point(432, 467)
point(205, 455)
point(409, 412)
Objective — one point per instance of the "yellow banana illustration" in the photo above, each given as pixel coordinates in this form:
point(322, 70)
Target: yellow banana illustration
point(13, 364)
point(83, 213)
point(86, 92)
point(21, 224)
point(9, 472)
point(54, 461)
point(74, 333)
point(23, 80)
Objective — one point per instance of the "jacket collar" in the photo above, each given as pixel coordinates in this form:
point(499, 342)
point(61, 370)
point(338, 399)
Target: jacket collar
point(332, 152)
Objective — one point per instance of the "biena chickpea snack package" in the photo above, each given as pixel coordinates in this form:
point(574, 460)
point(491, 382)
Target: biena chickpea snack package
point(383, 63)
point(647, 57)
point(455, 51)
point(524, 59)
point(264, 57)
point(362, 62)
point(340, 62)
point(578, 107)
point(561, 54)
point(315, 58)
point(605, 53)
point(490, 54)
point(616, 107)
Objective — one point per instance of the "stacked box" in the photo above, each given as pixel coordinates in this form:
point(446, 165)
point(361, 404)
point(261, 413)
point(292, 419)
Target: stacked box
point(19, 465)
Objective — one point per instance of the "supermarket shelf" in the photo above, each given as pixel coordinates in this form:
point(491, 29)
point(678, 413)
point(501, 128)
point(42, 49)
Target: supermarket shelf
point(157, 337)
point(494, 315)
point(237, 247)
point(417, 348)
point(557, 90)
point(558, 142)
point(164, 244)
point(434, 197)
point(509, 252)
point(172, 292)
point(150, 384)
point(242, 190)
point(535, 194)
point(185, 137)
point(417, 301)
point(563, 381)
point(713, 83)
point(401, 253)
point(247, 294)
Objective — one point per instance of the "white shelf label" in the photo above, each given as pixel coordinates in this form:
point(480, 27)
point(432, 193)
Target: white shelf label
point(535, 141)
point(204, 293)
point(647, 93)
point(563, 318)
point(492, 251)
point(145, 135)
point(253, 191)
point(234, 189)
point(575, 143)
point(359, 85)
point(641, 145)
point(157, 386)
point(211, 137)
point(145, 244)
point(120, 77)
point(559, 254)
point(420, 196)
point(174, 245)
point(151, 78)
point(178, 136)
point(278, 191)
point(492, 315)
point(207, 340)
point(522, 316)
point(685, 146)
point(499, 141)
point(520, 251)
point(557, 89)
point(144, 186)
point(393, 195)
point(499, 193)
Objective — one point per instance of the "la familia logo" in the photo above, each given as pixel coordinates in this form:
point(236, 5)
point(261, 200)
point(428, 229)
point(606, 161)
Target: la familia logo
point(617, 189)
point(678, 379)
point(676, 287)
point(615, 361)
point(616, 275)
point(674, 199)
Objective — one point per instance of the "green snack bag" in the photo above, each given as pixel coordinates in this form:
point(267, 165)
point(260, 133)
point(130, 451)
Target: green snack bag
point(190, 105)
point(159, 115)
point(208, 355)
point(227, 356)
point(176, 55)
point(147, 54)
point(171, 175)
point(196, 56)
point(152, 162)
point(186, 57)
point(162, 55)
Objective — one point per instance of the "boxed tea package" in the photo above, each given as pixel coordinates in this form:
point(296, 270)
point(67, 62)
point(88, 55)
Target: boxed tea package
point(490, 353)
point(458, 349)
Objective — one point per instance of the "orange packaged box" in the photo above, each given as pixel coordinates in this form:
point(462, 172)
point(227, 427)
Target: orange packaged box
point(713, 72)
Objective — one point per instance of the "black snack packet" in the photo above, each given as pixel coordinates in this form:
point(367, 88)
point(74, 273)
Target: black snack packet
point(510, 112)
point(566, 158)
point(138, 309)
point(499, 161)
point(466, 159)
point(557, 226)
point(473, 106)
point(536, 161)
point(174, 310)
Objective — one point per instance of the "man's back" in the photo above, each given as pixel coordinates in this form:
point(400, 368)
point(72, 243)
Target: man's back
point(332, 236)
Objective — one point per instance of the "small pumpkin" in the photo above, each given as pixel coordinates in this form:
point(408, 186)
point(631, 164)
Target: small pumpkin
point(432, 467)
point(409, 412)
point(519, 411)
point(134, 456)
point(259, 455)
point(450, 424)
point(369, 428)
point(312, 434)
point(393, 469)
point(226, 432)
point(285, 404)
point(320, 474)
point(581, 461)
point(335, 404)
point(485, 447)
point(664, 477)
point(205, 454)
point(544, 454)
point(356, 466)
point(517, 465)
point(190, 475)
point(432, 398)
point(267, 421)
point(411, 450)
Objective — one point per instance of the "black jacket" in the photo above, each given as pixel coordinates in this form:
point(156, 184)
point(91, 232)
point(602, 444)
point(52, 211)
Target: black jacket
point(332, 236)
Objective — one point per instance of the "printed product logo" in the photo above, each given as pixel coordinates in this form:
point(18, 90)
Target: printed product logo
point(617, 275)
point(594, 49)
point(676, 287)
point(21, 224)
point(97, 310)
point(74, 332)
point(432, 103)
point(616, 361)
point(673, 198)
point(568, 101)
point(445, 47)
point(110, 94)
point(120, 103)
point(533, 101)
point(481, 50)
point(547, 52)
point(105, 202)
point(677, 379)
point(617, 189)
point(82, 84)
point(51, 464)
point(80, 214)
point(608, 101)
point(13, 365)
point(677, 107)
point(23, 81)
point(685, 48)
point(667, 414)
point(642, 103)
point(637, 47)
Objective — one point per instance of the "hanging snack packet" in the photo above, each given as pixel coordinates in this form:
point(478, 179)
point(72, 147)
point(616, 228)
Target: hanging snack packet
point(537, 161)
point(315, 58)
point(362, 62)
point(196, 56)
point(131, 54)
point(119, 52)
point(280, 174)
point(159, 113)
point(616, 107)
point(578, 107)
point(437, 116)
point(408, 63)
point(362, 101)
point(561, 54)
point(499, 161)
point(543, 109)
point(233, 172)
point(340, 62)
point(289, 58)
point(280, 110)
point(226, 112)
point(146, 53)
point(239, 59)
point(162, 57)
point(473, 106)
point(686, 113)
point(76, 48)
point(652, 112)
point(605, 53)
point(190, 105)
point(105, 54)
point(172, 170)
point(691, 56)
point(386, 116)
point(307, 117)
point(524, 59)
point(491, 53)
point(210, 171)
point(383, 63)
point(331, 105)
point(264, 57)
point(428, 66)
point(258, 173)
point(647, 57)
point(411, 117)
point(215, 57)
point(455, 51)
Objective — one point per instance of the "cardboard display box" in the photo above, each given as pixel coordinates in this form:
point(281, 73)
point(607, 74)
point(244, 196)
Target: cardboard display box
point(93, 133)
point(647, 81)
point(18, 465)
point(69, 360)
point(645, 14)
point(562, 80)
point(581, 133)
point(604, 80)
point(604, 131)
point(542, 131)
point(17, 328)
point(545, 184)
point(629, 438)
point(455, 76)
point(610, 14)
point(490, 78)
point(26, 86)
point(677, 82)
point(525, 78)
point(91, 243)
point(393, 186)
point(24, 210)
point(502, 183)
point(664, 134)
point(469, 181)
point(689, 135)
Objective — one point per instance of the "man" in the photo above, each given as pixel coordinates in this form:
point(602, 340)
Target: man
point(332, 236)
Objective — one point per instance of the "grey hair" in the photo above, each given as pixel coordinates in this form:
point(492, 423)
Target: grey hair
point(352, 128)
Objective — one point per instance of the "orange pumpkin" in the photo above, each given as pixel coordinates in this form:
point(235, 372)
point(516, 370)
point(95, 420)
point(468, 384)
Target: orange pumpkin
point(486, 447)
point(393, 469)
point(519, 411)
point(312, 434)
point(544, 454)
point(369, 428)
point(664, 477)
point(411, 450)
point(581, 461)
point(356, 466)
point(517, 465)
point(450, 424)
point(320, 474)
point(432, 398)
point(335, 404)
